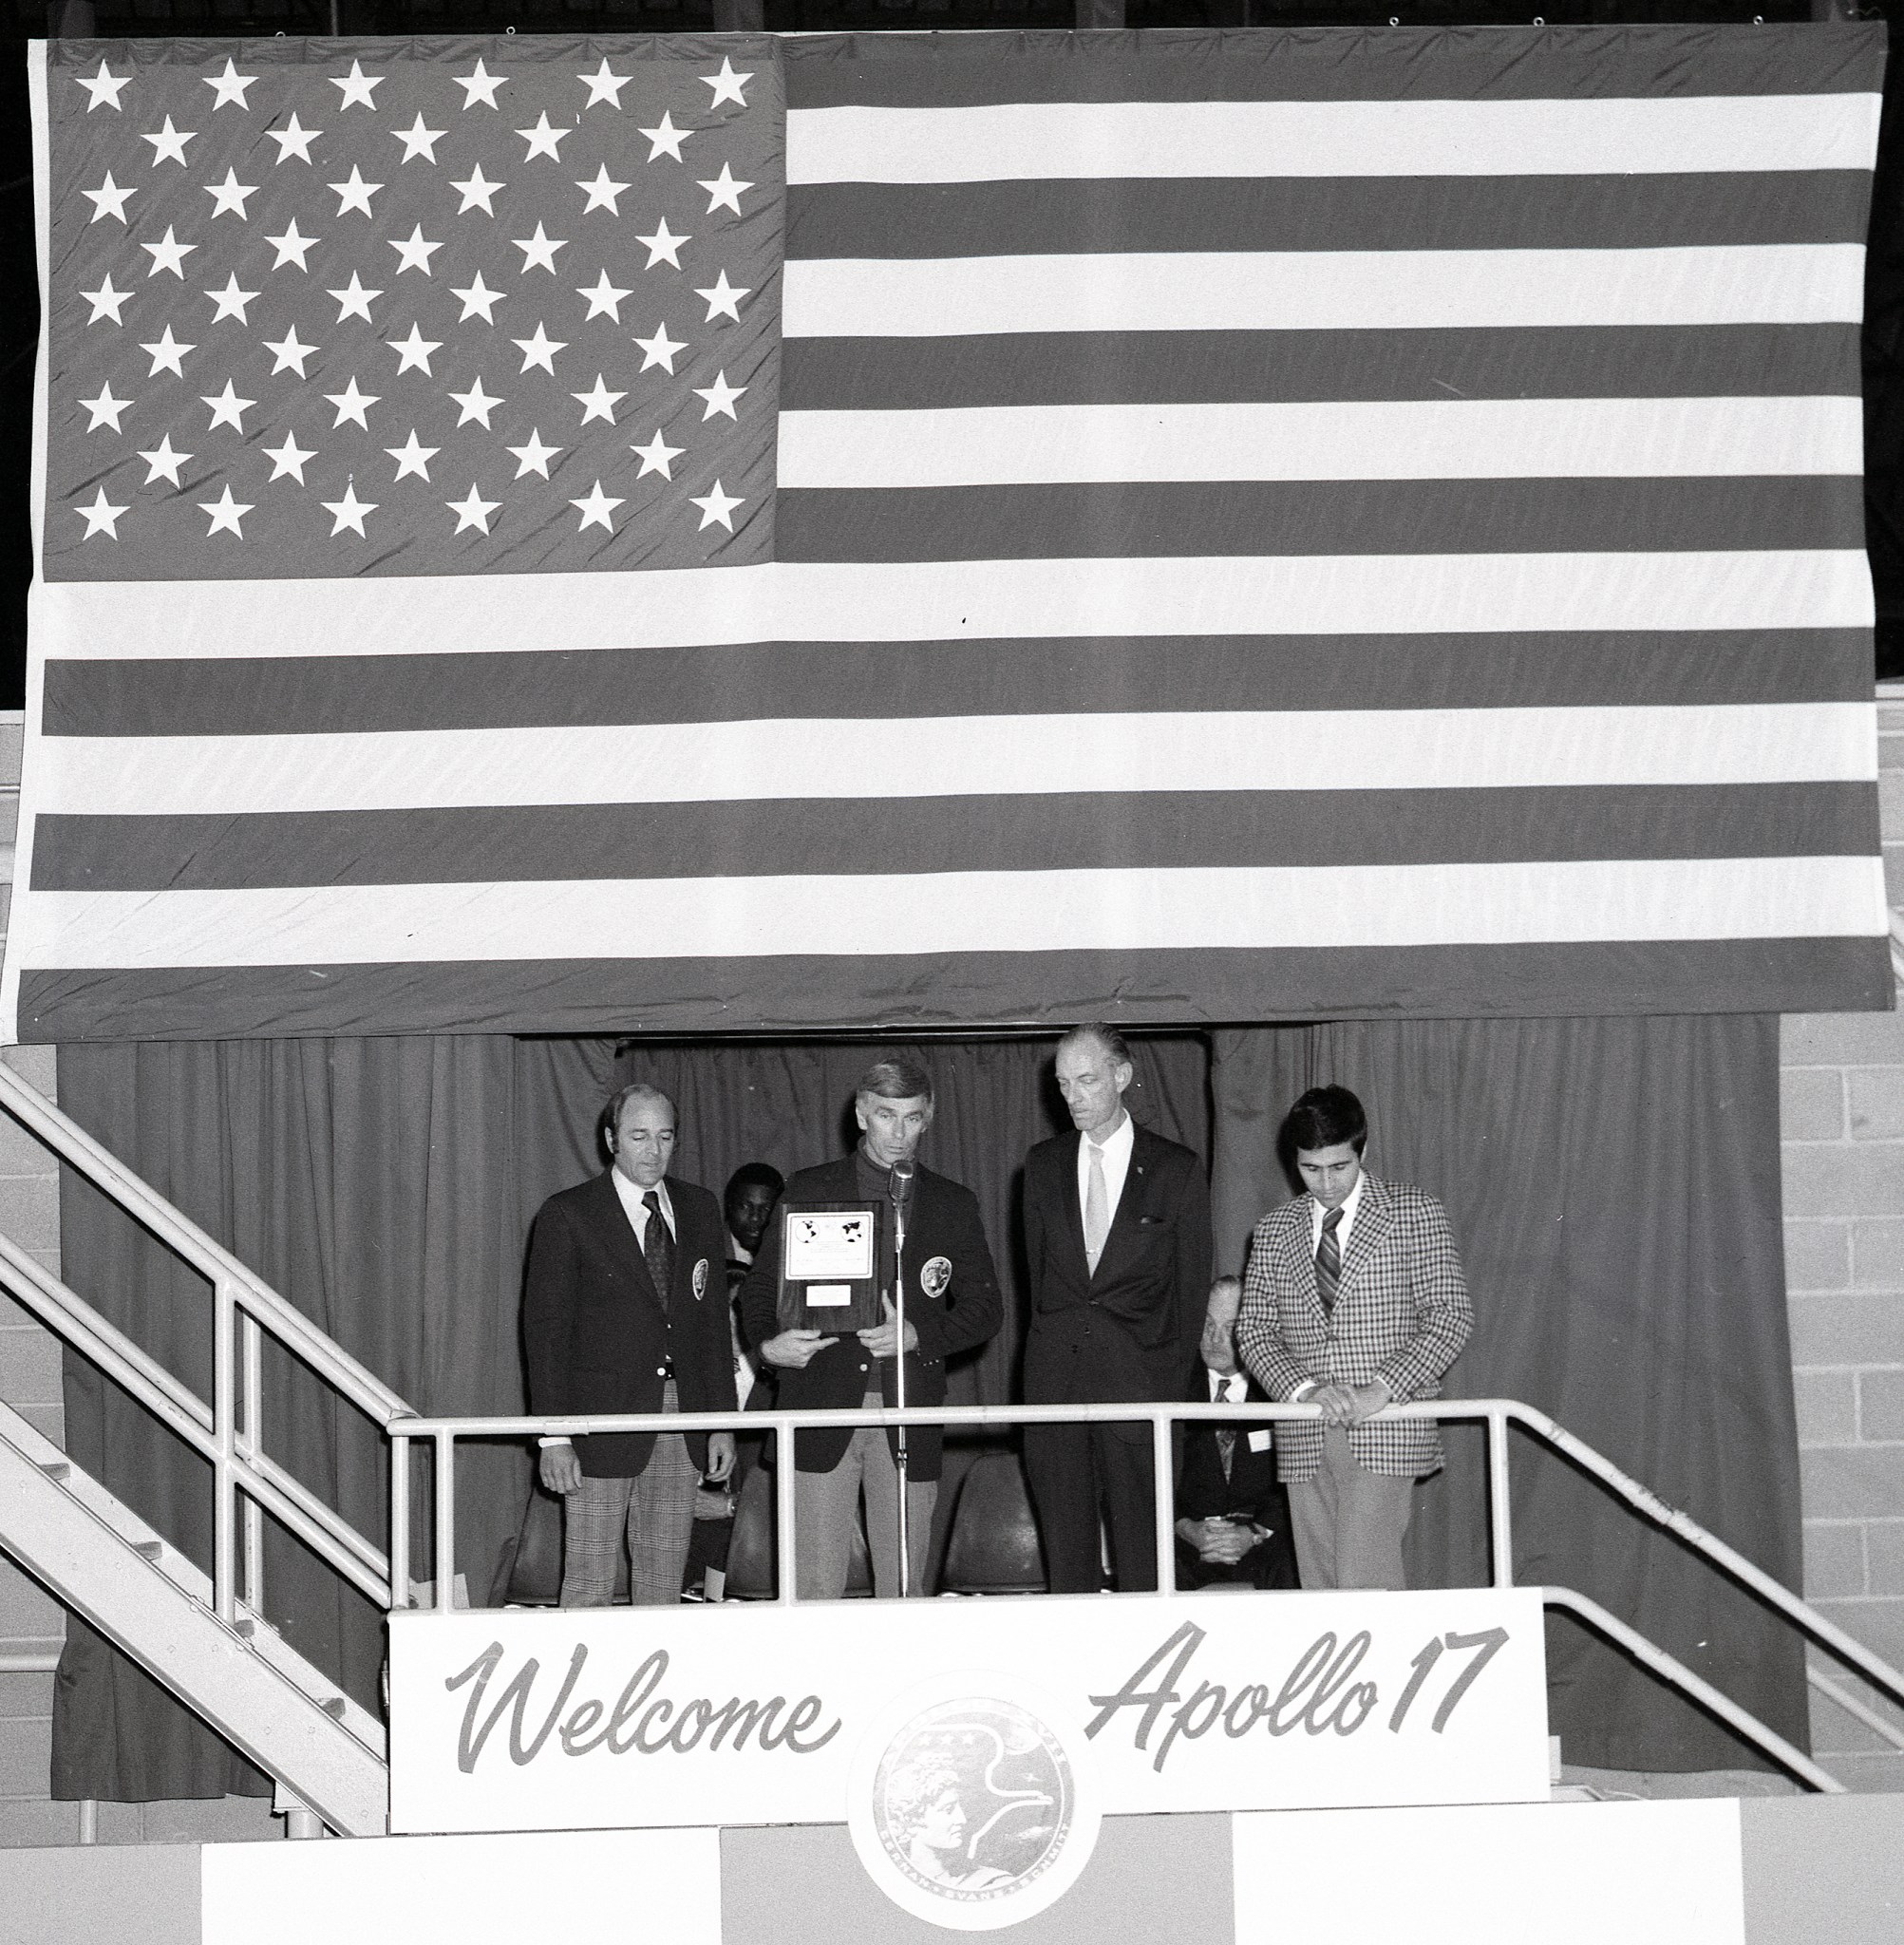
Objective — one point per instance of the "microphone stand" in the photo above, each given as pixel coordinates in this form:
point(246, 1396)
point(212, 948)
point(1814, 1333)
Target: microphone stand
point(899, 1318)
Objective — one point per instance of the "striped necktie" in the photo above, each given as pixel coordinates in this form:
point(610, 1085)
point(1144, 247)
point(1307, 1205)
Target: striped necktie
point(1328, 1261)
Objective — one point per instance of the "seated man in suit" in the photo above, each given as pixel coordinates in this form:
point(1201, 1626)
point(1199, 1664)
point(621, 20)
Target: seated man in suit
point(1233, 1518)
point(1354, 1298)
point(951, 1304)
point(625, 1310)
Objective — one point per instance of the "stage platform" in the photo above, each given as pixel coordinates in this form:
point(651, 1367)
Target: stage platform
point(1715, 1871)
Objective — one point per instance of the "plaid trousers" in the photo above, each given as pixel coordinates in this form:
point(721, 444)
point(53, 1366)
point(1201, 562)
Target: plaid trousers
point(654, 1510)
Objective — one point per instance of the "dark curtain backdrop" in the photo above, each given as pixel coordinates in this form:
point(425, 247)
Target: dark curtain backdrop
point(386, 1187)
point(1614, 1184)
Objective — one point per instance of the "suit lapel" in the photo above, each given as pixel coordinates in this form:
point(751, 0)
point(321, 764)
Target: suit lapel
point(1070, 1214)
point(1373, 1220)
point(1122, 1233)
point(617, 1231)
point(1303, 1247)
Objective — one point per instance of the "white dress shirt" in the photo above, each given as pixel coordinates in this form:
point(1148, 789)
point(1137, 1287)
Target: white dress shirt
point(1350, 1206)
point(630, 1194)
point(1116, 1150)
point(1233, 1390)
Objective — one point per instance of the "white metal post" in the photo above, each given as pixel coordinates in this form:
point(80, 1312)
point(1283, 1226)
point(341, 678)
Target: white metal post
point(446, 1521)
point(1163, 1486)
point(250, 1447)
point(400, 1520)
point(902, 1456)
point(784, 1554)
point(224, 1504)
point(1499, 1512)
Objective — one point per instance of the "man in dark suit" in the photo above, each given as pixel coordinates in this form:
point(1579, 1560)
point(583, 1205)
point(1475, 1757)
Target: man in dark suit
point(951, 1304)
point(1354, 1299)
point(625, 1310)
point(1233, 1516)
point(1117, 1230)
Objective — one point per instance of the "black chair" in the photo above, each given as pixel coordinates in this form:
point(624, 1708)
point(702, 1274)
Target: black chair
point(994, 1546)
point(529, 1568)
point(751, 1553)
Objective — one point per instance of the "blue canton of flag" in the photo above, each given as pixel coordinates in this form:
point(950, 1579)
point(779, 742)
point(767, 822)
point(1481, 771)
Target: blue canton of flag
point(376, 312)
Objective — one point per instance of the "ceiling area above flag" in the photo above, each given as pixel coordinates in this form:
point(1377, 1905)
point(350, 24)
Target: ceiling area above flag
point(723, 532)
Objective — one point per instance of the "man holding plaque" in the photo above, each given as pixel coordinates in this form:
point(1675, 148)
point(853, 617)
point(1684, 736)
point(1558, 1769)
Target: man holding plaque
point(922, 1225)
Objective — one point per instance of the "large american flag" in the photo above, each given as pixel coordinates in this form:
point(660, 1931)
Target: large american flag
point(572, 535)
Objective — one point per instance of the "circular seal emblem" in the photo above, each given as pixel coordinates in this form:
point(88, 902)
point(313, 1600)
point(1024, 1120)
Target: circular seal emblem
point(935, 1275)
point(701, 1280)
point(966, 1807)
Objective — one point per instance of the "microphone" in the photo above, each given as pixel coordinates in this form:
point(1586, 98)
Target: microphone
point(899, 1186)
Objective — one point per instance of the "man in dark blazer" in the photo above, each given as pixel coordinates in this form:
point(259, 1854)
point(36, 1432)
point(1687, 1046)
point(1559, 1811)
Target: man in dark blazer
point(1117, 1231)
point(953, 1304)
point(1354, 1299)
point(1233, 1516)
point(625, 1310)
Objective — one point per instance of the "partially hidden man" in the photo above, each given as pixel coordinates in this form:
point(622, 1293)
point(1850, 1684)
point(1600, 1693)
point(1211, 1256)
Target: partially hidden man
point(953, 1304)
point(1354, 1299)
point(625, 1310)
point(1117, 1231)
point(1233, 1516)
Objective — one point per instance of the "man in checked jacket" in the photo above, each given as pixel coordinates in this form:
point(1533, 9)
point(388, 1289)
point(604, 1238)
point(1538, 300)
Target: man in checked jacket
point(1354, 1299)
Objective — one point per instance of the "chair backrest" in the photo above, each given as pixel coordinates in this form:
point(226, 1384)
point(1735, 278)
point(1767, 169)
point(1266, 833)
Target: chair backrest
point(994, 1546)
point(529, 1569)
point(751, 1553)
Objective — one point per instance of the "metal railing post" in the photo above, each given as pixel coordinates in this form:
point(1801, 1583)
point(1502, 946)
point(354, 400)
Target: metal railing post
point(400, 1520)
point(250, 1448)
point(784, 1504)
point(446, 1522)
point(1500, 1508)
point(224, 1434)
point(1163, 1491)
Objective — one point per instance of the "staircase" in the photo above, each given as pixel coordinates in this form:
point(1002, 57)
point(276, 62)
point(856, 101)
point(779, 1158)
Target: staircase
point(153, 1605)
point(203, 1636)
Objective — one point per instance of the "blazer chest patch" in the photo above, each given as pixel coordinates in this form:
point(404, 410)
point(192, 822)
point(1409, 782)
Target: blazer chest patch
point(701, 1280)
point(935, 1276)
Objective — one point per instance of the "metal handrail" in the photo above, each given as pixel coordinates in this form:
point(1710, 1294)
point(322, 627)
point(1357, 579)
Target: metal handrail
point(1857, 1710)
point(229, 1432)
point(1497, 1414)
point(283, 1319)
point(1650, 1655)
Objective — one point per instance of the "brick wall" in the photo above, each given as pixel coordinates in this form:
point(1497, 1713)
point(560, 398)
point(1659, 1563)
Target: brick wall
point(1842, 1123)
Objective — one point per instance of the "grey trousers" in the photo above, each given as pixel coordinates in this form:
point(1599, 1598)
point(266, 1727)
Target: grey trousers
point(1347, 1522)
point(825, 1505)
point(653, 1511)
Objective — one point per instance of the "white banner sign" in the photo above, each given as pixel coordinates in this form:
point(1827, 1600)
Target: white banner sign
point(541, 1719)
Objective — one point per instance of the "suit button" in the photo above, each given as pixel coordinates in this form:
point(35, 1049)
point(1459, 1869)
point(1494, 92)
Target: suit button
point(661, 1370)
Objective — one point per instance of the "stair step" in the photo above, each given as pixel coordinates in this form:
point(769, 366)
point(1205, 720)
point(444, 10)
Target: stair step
point(153, 1549)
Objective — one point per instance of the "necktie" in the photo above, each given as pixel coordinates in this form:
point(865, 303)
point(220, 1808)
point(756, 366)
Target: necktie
point(1097, 1207)
point(1328, 1261)
point(1226, 1437)
point(657, 1246)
